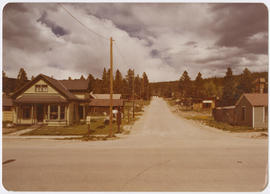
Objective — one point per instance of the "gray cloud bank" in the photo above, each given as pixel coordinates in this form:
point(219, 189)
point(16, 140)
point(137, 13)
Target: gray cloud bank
point(161, 39)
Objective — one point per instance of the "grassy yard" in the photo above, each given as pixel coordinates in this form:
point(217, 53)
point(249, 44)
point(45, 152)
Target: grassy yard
point(7, 130)
point(209, 120)
point(97, 125)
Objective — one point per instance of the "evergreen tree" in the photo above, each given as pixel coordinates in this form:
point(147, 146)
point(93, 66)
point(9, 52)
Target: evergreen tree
point(118, 82)
point(82, 77)
point(185, 85)
point(245, 84)
point(198, 86)
point(105, 82)
point(137, 86)
point(21, 78)
point(145, 87)
point(228, 96)
point(91, 82)
point(129, 78)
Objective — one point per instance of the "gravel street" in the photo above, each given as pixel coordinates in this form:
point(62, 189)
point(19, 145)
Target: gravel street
point(163, 152)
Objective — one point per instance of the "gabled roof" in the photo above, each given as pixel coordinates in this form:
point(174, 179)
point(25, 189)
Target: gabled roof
point(255, 99)
point(57, 85)
point(76, 84)
point(105, 96)
point(106, 102)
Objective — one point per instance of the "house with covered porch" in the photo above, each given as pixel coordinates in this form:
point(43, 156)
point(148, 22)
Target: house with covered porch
point(45, 100)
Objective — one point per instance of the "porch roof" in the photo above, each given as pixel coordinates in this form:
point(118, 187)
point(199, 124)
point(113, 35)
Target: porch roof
point(40, 99)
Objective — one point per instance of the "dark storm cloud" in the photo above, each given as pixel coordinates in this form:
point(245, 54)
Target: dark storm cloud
point(237, 23)
point(56, 29)
point(192, 43)
point(161, 39)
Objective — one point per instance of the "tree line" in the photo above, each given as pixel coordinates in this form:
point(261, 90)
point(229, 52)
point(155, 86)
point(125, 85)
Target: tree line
point(227, 89)
point(121, 84)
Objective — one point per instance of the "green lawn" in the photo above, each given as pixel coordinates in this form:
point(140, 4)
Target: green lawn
point(97, 125)
point(209, 120)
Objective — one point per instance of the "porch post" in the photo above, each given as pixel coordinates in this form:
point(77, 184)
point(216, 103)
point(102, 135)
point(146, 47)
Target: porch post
point(66, 113)
point(84, 112)
point(49, 111)
point(59, 111)
point(32, 112)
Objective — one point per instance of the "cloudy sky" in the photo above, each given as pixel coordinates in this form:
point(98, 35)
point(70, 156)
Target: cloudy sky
point(161, 39)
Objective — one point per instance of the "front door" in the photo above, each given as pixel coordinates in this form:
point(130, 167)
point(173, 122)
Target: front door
point(40, 112)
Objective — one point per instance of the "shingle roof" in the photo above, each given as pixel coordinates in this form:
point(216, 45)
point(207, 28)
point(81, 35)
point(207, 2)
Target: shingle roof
point(256, 99)
point(6, 101)
point(106, 102)
point(106, 96)
point(53, 82)
point(60, 86)
point(76, 84)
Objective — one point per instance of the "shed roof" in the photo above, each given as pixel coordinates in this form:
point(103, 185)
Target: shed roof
point(106, 102)
point(255, 99)
point(105, 96)
point(7, 101)
point(76, 84)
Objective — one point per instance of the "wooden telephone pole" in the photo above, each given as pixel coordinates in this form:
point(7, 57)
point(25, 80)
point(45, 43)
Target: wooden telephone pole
point(133, 107)
point(111, 87)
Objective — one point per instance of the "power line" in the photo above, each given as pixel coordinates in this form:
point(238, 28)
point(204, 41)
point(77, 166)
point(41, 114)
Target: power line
point(90, 30)
point(124, 60)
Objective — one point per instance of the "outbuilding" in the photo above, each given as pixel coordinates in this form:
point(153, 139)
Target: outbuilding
point(251, 109)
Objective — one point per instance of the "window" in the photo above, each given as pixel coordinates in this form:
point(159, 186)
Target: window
point(26, 112)
point(41, 88)
point(243, 113)
point(54, 111)
point(81, 112)
point(62, 112)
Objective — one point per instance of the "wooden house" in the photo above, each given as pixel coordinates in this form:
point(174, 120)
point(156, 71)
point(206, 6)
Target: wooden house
point(45, 100)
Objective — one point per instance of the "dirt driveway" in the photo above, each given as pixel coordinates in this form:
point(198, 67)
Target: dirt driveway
point(163, 153)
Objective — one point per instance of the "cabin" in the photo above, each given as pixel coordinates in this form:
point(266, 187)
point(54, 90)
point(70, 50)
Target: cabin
point(45, 100)
point(100, 103)
point(251, 109)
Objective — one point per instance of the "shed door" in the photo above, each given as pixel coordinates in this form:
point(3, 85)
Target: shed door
point(259, 119)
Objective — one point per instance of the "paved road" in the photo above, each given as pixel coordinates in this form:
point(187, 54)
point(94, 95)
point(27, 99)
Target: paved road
point(163, 153)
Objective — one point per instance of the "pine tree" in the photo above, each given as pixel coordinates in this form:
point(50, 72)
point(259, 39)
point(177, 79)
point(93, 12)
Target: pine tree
point(129, 78)
point(185, 85)
point(198, 86)
point(228, 96)
point(82, 77)
point(118, 85)
point(137, 86)
point(91, 82)
point(245, 84)
point(21, 78)
point(105, 82)
point(145, 87)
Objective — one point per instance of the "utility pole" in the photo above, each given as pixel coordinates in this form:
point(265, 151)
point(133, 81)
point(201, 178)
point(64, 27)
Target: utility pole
point(133, 109)
point(111, 87)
